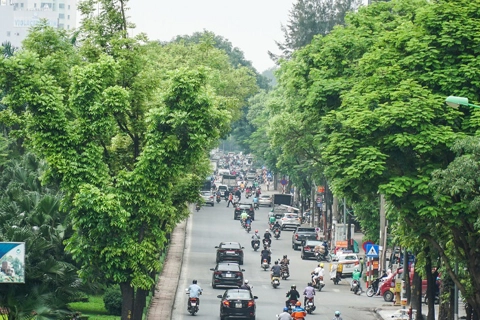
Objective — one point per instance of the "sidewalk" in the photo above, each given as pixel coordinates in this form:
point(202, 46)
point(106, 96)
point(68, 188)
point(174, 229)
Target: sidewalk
point(390, 312)
point(165, 291)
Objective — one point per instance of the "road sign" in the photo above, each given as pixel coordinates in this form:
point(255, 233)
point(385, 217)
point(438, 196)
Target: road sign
point(364, 245)
point(372, 250)
point(283, 182)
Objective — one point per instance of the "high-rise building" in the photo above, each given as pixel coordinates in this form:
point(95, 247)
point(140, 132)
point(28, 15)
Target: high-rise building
point(17, 16)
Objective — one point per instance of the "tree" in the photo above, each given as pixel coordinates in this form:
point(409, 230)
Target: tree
point(309, 18)
point(129, 154)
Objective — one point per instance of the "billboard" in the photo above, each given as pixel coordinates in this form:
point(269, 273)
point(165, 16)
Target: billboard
point(12, 262)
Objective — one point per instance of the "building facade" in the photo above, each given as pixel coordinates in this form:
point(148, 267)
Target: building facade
point(17, 16)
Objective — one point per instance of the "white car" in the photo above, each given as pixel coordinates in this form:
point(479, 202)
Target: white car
point(289, 220)
point(265, 200)
point(349, 261)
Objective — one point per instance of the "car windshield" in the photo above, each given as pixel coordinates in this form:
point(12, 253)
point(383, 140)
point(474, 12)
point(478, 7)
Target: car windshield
point(347, 258)
point(313, 243)
point(244, 295)
point(306, 229)
point(244, 206)
point(206, 193)
point(265, 197)
point(228, 267)
point(230, 245)
point(291, 216)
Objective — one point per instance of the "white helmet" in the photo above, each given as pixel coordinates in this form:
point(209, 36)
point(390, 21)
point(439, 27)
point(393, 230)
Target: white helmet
point(266, 230)
point(246, 281)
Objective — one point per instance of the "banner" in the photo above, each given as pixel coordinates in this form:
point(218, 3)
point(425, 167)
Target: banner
point(12, 262)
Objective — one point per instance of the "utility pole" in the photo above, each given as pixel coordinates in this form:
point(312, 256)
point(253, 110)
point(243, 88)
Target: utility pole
point(383, 235)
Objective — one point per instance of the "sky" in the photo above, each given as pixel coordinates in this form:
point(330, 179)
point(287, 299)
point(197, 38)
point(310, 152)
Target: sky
point(251, 25)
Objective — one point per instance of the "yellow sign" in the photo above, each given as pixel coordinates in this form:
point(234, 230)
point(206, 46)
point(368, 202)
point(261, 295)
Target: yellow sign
point(375, 264)
point(341, 244)
point(404, 302)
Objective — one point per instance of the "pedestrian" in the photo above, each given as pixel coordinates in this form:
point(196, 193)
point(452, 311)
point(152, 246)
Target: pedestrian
point(268, 185)
point(230, 199)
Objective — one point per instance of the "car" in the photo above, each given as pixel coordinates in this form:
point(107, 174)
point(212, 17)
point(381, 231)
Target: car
point(349, 261)
point(227, 274)
point(302, 234)
point(222, 188)
point(229, 251)
point(251, 176)
point(308, 248)
point(237, 303)
point(289, 220)
point(265, 200)
point(208, 197)
point(243, 206)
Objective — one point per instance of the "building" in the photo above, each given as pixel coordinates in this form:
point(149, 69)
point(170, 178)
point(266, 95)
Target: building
point(17, 16)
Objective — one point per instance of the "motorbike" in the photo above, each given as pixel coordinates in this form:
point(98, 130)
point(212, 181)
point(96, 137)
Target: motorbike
point(323, 256)
point(319, 285)
point(355, 287)
point(291, 306)
point(336, 273)
point(310, 306)
point(275, 282)
point(256, 245)
point(248, 194)
point(276, 233)
point(265, 265)
point(266, 242)
point(197, 207)
point(192, 305)
point(242, 223)
point(373, 288)
point(248, 227)
point(219, 199)
point(255, 205)
point(285, 272)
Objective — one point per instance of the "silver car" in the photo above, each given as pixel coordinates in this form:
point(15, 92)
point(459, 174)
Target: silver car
point(208, 197)
point(289, 220)
point(265, 200)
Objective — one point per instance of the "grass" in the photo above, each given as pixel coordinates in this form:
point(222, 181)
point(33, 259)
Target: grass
point(94, 309)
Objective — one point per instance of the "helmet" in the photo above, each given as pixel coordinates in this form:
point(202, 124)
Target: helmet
point(194, 281)
point(285, 309)
point(285, 256)
point(246, 281)
point(276, 262)
point(321, 265)
point(309, 284)
point(298, 304)
point(266, 230)
point(337, 313)
point(256, 231)
point(293, 286)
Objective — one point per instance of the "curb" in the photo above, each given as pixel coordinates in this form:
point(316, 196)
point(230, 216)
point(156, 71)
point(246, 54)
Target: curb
point(181, 264)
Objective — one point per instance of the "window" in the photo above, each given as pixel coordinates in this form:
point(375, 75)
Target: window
point(68, 7)
point(8, 33)
point(61, 16)
point(21, 5)
point(61, 6)
point(34, 5)
point(68, 17)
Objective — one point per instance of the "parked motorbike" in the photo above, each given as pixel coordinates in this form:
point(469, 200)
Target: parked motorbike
point(276, 233)
point(265, 264)
point(275, 282)
point(256, 245)
point(310, 306)
point(373, 288)
point(355, 287)
point(192, 306)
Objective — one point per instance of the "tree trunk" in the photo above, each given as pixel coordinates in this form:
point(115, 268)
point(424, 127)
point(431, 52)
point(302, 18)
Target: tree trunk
point(446, 309)
point(406, 276)
point(140, 302)
point(127, 300)
point(416, 291)
point(430, 286)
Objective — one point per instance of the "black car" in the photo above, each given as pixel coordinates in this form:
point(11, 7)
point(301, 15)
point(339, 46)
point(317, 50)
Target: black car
point(237, 303)
point(229, 251)
point(308, 248)
point(227, 274)
point(243, 206)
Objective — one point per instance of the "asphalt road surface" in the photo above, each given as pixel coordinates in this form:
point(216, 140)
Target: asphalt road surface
point(211, 225)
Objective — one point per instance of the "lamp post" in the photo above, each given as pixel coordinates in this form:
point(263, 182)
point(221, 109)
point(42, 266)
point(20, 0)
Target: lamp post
point(455, 102)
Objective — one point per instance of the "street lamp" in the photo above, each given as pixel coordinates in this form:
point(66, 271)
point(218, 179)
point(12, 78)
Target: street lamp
point(454, 102)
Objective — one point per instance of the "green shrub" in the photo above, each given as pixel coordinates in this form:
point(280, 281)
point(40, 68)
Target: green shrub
point(113, 301)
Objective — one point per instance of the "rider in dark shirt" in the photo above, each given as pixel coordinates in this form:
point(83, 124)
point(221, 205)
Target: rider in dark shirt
point(293, 294)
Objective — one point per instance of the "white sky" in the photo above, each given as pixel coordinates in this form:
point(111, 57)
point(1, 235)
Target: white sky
point(251, 25)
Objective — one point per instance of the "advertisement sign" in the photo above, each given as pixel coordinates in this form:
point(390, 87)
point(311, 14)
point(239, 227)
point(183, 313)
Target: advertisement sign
point(27, 19)
point(12, 262)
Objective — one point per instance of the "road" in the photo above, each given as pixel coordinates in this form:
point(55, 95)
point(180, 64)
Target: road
point(211, 225)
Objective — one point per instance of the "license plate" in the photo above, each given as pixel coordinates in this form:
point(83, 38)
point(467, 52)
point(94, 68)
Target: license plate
point(228, 275)
point(238, 305)
point(230, 252)
point(349, 265)
point(193, 304)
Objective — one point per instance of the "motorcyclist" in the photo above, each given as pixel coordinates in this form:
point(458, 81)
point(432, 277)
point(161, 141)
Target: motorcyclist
point(244, 215)
point(318, 274)
point(298, 313)
point(272, 220)
point(268, 236)
point(284, 315)
point(248, 221)
point(255, 238)
point(245, 285)
point(337, 316)
point(357, 275)
point(195, 291)
point(292, 295)
point(255, 202)
point(276, 270)
point(308, 292)
point(265, 254)
point(285, 260)
point(276, 226)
